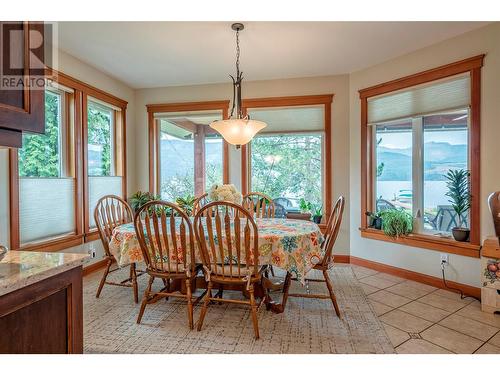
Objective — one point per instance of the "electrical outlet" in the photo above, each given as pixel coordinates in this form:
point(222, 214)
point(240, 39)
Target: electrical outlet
point(92, 253)
point(444, 258)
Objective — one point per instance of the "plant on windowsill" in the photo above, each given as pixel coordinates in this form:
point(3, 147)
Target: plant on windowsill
point(396, 223)
point(317, 214)
point(458, 185)
point(140, 198)
point(186, 204)
point(375, 221)
point(305, 211)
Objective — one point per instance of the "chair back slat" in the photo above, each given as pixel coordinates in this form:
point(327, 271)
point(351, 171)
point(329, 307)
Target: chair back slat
point(258, 204)
point(225, 257)
point(332, 230)
point(155, 225)
point(199, 202)
point(107, 220)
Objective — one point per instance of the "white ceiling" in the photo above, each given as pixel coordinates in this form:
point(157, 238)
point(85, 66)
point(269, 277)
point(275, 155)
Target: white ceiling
point(156, 54)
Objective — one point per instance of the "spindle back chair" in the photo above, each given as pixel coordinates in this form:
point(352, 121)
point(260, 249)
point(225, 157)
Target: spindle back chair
point(199, 202)
point(259, 204)
point(166, 238)
point(110, 212)
point(227, 238)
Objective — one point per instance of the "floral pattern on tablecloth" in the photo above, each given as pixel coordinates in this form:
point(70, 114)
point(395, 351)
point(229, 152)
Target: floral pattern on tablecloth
point(293, 245)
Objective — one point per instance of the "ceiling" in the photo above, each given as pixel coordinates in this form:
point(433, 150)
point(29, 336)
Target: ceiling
point(156, 54)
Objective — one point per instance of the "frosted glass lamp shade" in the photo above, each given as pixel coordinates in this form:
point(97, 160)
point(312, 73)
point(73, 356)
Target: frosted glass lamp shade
point(238, 131)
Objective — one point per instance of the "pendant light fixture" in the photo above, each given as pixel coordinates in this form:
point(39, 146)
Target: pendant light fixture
point(238, 129)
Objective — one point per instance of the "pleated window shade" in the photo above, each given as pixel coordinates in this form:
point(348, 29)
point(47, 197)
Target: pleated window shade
point(283, 119)
point(98, 188)
point(446, 94)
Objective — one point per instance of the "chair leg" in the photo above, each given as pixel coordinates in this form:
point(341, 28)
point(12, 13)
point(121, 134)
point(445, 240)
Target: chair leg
point(254, 313)
point(205, 305)
point(145, 299)
point(189, 303)
point(332, 294)
point(272, 270)
point(103, 279)
point(133, 277)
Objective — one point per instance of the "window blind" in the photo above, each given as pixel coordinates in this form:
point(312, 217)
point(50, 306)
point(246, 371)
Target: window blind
point(449, 93)
point(98, 188)
point(46, 208)
point(283, 119)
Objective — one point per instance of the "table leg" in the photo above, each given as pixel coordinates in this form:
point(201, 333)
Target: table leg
point(275, 306)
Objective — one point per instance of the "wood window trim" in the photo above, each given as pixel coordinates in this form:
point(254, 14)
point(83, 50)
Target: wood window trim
point(294, 101)
point(473, 67)
point(80, 92)
point(153, 133)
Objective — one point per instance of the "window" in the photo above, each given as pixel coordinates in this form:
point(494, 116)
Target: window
point(102, 154)
point(45, 175)
point(288, 166)
point(412, 159)
point(414, 130)
point(290, 159)
point(187, 157)
point(52, 194)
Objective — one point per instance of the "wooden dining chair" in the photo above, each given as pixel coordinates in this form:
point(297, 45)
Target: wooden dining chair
point(228, 242)
point(259, 204)
point(333, 227)
point(199, 202)
point(166, 238)
point(110, 212)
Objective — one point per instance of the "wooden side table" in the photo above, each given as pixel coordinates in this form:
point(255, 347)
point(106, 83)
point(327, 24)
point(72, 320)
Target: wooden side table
point(490, 275)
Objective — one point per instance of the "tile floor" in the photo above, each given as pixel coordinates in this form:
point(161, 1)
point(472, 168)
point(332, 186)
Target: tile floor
point(419, 318)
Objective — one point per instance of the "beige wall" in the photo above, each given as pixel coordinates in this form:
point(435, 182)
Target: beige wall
point(338, 85)
point(484, 40)
point(83, 72)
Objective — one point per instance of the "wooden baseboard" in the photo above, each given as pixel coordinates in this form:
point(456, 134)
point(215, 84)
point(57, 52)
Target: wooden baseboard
point(341, 258)
point(416, 276)
point(94, 267)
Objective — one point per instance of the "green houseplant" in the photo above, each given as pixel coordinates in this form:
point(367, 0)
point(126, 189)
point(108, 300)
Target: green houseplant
point(305, 211)
point(140, 198)
point(459, 193)
point(186, 204)
point(396, 223)
point(317, 214)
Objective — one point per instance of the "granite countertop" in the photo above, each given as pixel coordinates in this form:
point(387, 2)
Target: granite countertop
point(22, 268)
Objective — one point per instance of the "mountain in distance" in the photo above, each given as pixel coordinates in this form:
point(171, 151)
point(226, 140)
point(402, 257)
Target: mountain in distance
point(439, 158)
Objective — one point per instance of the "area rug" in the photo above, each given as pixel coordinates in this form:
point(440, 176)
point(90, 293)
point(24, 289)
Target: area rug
point(307, 326)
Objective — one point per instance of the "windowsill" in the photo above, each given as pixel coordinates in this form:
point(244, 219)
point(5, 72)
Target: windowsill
point(54, 244)
point(426, 242)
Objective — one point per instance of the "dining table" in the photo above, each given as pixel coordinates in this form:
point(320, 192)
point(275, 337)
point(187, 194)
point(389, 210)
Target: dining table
point(290, 244)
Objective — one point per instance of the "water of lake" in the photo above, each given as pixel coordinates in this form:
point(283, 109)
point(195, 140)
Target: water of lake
point(434, 191)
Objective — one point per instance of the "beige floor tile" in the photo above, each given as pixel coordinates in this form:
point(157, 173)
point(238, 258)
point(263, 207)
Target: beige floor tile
point(407, 291)
point(495, 340)
point(488, 349)
point(396, 335)
point(427, 312)
point(441, 302)
point(405, 321)
point(473, 311)
point(378, 282)
point(368, 289)
point(388, 298)
point(453, 295)
point(469, 327)
point(418, 346)
point(380, 308)
point(390, 277)
point(362, 271)
point(451, 340)
point(416, 285)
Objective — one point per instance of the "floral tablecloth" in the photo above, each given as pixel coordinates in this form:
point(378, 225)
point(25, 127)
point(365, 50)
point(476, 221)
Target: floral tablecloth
point(293, 245)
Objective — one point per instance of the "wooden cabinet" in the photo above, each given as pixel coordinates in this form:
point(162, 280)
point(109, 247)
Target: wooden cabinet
point(45, 317)
point(22, 98)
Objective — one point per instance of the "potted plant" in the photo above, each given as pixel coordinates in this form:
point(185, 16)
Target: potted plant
point(317, 214)
point(186, 204)
point(459, 193)
point(305, 211)
point(140, 198)
point(375, 220)
point(396, 223)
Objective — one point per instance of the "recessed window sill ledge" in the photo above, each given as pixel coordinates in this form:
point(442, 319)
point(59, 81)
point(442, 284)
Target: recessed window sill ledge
point(446, 245)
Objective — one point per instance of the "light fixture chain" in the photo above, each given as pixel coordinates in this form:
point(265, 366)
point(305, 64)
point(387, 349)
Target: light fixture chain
point(237, 53)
